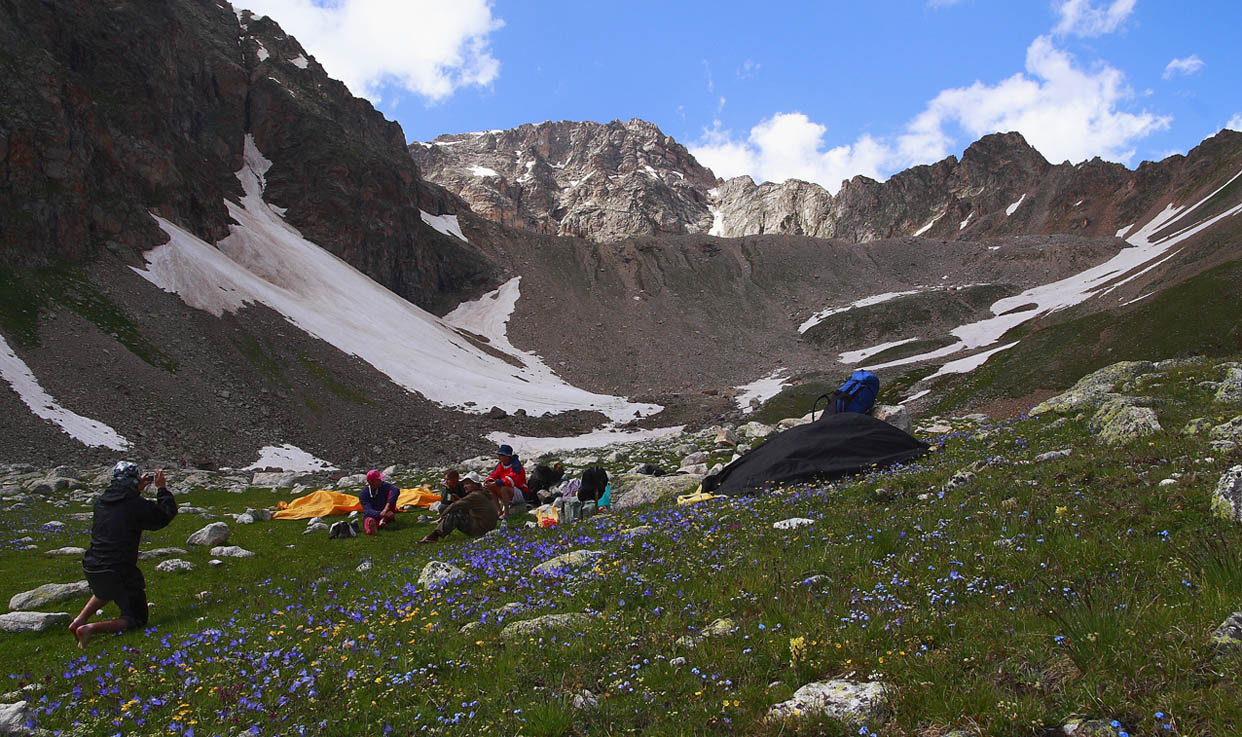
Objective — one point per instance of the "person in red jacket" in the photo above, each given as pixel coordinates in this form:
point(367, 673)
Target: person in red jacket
point(507, 481)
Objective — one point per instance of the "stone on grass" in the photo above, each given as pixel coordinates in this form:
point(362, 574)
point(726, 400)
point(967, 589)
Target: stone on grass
point(230, 551)
point(1119, 422)
point(562, 564)
point(469, 628)
point(894, 414)
point(718, 628)
point(637, 531)
point(175, 565)
point(438, 573)
point(31, 621)
point(631, 490)
point(531, 627)
point(792, 523)
point(1092, 389)
point(273, 479)
point(1230, 390)
point(14, 719)
point(726, 436)
point(1052, 455)
point(847, 701)
point(1090, 728)
point(259, 515)
point(161, 553)
point(755, 430)
point(1231, 430)
point(317, 527)
point(1227, 498)
point(1227, 639)
point(1198, 426)
point(959, 479)
point(48, 593)
point(1222, 446)
point(244, 518)
point(71, 550)
point(584, 701)
point(364, 566)
point(210, 536)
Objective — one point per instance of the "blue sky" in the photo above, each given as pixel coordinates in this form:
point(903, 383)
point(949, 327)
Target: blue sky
point(815, 90)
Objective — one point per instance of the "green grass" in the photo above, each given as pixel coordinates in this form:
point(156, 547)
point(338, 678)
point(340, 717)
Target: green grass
point(1076, 588)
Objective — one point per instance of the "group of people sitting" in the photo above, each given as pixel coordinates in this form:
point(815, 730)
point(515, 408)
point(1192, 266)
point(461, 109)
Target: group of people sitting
point(474, 506)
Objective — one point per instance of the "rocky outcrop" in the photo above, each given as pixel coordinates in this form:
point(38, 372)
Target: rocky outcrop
point(49, 593)
point(1227, 496)
point(570, 561)
point(532, 627)
point(631, 490)
point(437, 573)
point(1093, 389)
point(847, 701)
point(1120, 420)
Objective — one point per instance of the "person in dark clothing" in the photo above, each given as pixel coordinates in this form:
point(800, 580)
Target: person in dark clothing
point(474, 515)
point(379, 502)
point(111, 562)
point(594, 481)
point(543, 478)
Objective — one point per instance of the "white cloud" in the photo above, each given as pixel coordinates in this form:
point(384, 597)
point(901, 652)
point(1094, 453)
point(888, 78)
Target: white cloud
point(1235, 123)
point(1062, 110)
point(1084, 18)
point(426, 47)
point(1186, 66)
point(748, 69)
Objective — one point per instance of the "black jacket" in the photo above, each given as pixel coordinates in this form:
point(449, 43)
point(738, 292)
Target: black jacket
point(121, 514)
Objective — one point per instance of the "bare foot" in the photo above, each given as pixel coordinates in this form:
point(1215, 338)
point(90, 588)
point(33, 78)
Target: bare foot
point(75, 625)
point(83, 633)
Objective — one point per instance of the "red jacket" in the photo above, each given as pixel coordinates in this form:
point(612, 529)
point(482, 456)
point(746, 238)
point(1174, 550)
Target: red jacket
point(511, 475)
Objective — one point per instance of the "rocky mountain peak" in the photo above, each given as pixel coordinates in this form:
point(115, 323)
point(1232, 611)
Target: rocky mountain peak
point(594, 180)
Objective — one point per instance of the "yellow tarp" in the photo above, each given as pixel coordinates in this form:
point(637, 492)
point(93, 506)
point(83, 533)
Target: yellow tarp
point(328, 503)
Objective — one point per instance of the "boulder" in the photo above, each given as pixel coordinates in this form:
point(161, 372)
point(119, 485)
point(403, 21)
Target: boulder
point(16, 719)
point(1230, 390)
point(531, 627)
point(437, 573)
point(695, 469)
point(1092, 389)
point(71, 550)
point(1053, 455)
point(259, 515)
point(1198, 426)
point(847, 701)
point(1231, 430)
point(755, 430)
point(210, 536)
point(230, 551)
point(49, 593)
point(175, 565)
point(32, 621)
point(792, 523)
point(1227, 498)
point(694, 459)
point(346, 482)
point(726, 436)
point(718, 628)
point(584, 701)
point(274, 479)
point(563, 564)
point(244, 519)
point(364, 566)
point(631, 490)
point(894, 414)
point(1118, 422)
point(789, 422)
point(315, 527)
point(1227, 639)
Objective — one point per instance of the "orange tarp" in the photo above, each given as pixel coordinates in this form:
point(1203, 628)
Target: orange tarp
point(328, 503)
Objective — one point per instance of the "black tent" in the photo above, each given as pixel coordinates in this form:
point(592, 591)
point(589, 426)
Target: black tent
point(832, 446)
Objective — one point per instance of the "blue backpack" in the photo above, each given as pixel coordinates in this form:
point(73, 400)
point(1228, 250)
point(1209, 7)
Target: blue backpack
point(857, 394)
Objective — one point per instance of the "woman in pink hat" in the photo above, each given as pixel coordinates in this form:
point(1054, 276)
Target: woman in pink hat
point(379, 502)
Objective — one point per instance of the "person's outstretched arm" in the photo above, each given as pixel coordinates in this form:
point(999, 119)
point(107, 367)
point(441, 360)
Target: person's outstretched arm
point(157, 514)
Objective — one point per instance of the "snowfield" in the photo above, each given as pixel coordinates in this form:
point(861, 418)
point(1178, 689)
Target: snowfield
point(266, 261)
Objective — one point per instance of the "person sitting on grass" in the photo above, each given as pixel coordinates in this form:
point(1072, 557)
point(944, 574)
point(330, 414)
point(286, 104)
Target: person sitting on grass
point(508, 481)
point(379, 502)
point(474, 514)
point(111, 562)
point(456, 487)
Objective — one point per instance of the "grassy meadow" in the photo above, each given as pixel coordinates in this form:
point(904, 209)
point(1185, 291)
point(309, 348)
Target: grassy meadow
point(1030, 594)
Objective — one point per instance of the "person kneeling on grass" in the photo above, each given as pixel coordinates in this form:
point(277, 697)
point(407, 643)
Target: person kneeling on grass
point(379, 502)
point(474, 514)
point(111, 562)
point(508, 481)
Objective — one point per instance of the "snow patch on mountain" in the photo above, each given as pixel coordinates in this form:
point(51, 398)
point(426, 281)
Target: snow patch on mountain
point(969, 363)
point(289, 457)
point(83, 429)
point(300, 61)
point(265, 260)
point(446, 224)
point(874, 299)
point(929, 225)
point(533, 446)
point(851, 358)
point(761, 390)
point(483, 171)
point(1014, 207)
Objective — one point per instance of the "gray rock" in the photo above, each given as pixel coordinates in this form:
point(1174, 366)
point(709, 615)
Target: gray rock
point(959, 479)
point(364, 566)
point(755, 430)
point(230, 551)
point(677, 662)
point(693, 459)
point(1230, 390)
point(244, 519)
point(894, 414)
point(346, 482)
point(437, 573)
point(210, 536)
point(1090, 728)
point(175, 565)
point(161, 553)
point(1091, 390)
point(1231, 430)
point(631, 490)
point(260, 515)
point(14, 718)
point(316, 527)
point(562, 564)
point(718, 628)
point(71, 550)
point(1053, 455)
point(637, 531)
point(48, 593)
point(792, 523)
point(789, 422)
point(21, 693)
point(584, 701)
point(274, 479)
point(978, 418)
point(54, 526)
point(469, 628)
point(1227, 498)
point(936, 428)
point(698, 470)
point(32, 621)
point(531, 627)
point(1222, 446)
point(1198, 426)
point(847, 701)
point(1119, 422)
point(1227, 639)
point(726, 436)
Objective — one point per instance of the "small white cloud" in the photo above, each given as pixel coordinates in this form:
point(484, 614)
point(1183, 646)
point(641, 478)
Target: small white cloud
point(720, 106)
point(1186, 66)
point(1235, 123)
point(1084, 18)
point(1065, 112)
point(711, 83)
point(425, 47)
point(748, 69)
